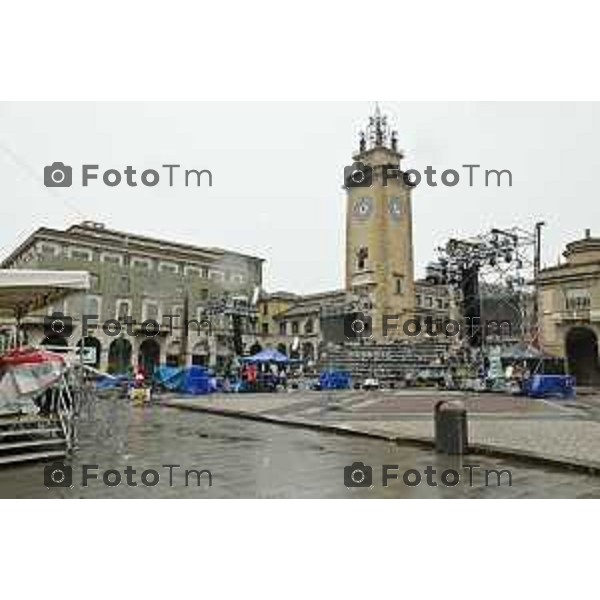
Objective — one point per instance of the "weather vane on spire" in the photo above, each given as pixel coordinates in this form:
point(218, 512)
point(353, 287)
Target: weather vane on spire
point(378, 133)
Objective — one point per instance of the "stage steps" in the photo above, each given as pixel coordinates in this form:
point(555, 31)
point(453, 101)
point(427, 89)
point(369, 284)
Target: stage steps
point(30, 438)
point(389, 363)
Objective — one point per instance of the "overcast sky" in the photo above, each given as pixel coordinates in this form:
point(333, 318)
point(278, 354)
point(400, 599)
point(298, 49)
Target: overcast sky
point(277, 174)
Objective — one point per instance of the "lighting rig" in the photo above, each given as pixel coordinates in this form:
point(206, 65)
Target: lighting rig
point(239, 311)
point(501, 263)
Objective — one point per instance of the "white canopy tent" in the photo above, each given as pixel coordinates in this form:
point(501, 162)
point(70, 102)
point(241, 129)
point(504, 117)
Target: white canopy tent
point(22, 290)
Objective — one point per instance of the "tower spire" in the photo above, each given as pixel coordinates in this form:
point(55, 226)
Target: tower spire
point(378, 133)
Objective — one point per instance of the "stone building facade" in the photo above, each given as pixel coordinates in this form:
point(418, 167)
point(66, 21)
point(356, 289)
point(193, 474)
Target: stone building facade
point(298, 325)
point(569, 305)
point(144, 279)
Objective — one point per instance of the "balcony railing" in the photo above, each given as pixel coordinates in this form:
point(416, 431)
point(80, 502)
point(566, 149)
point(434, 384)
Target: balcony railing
point(577, 314)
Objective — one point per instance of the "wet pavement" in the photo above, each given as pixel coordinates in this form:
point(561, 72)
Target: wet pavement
point(564, 432)
point(249, 459)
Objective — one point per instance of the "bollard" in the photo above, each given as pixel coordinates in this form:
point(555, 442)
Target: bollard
point(450, 423)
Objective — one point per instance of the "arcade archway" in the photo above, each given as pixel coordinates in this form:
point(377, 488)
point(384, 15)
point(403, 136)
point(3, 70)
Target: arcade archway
point(255, 348)
point(581, 345)
point(149, 355)
point(119, 356)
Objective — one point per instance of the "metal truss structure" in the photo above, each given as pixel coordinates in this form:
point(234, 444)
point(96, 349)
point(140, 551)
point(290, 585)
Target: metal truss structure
point(491, 283)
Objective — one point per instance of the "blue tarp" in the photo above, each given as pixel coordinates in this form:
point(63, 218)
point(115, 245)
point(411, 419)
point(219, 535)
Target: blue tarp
point(109, 383)
point(192, 380)
point(266, 356)
point(169, 377)
point(335, 380)
point(544, 386)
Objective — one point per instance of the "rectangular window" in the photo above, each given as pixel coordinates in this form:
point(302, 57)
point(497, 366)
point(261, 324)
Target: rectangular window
point(578, 299)
point(123, 309)
point(363, 254)
point(151, 311)
point(92, 305)
point(428, 301)
point(265, 309)
point(111, 259)
point(191, 271)
point(80, 255)
point(295, 327)
point(439, 303)
point(168, 268)
point(419, 300)
point(49, 249)
point(283, 328)
point(141, 263)
point(265, 328)
point(124, 284)
point(399, 286)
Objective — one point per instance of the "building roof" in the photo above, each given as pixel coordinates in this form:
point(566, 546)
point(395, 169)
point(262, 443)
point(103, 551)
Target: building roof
point(279, 295)
point(422, 285)
point(587, 245)
point(583, 258)
point(97, 231)
point(313, 303)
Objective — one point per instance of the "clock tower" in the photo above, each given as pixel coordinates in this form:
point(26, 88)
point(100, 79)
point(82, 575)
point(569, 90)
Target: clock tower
point(379, 250)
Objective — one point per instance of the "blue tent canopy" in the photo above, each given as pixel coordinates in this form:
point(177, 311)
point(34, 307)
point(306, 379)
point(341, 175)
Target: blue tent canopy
point(266, 356)
point(191, 380)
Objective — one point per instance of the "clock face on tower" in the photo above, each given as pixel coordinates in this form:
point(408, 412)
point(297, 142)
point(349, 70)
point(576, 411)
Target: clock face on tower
point(363, 208)
point(395, 208)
